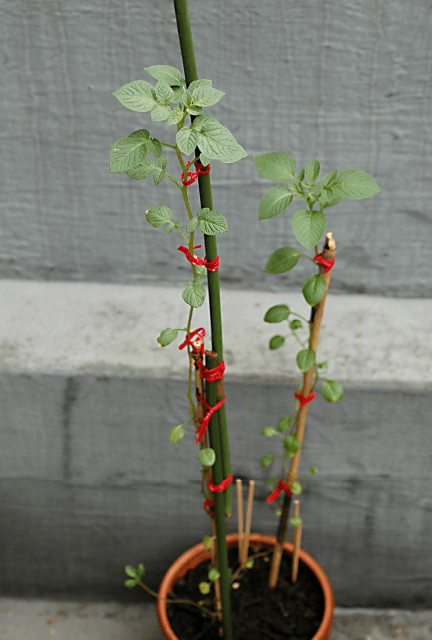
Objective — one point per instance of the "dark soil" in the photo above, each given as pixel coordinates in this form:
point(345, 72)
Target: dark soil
point(290, 612)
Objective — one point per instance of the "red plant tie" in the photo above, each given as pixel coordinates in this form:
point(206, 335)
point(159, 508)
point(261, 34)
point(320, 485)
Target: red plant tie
point(281, 486)
point(204, 421)
point(188, 340)
point(197, 261)
point(325, 263)
point(208, 504)
point(219, 488)
point(200, 170)
point(211, 375)
point(304, 401)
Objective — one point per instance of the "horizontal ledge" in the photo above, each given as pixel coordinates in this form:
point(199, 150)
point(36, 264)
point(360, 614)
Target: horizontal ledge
point(112, 329)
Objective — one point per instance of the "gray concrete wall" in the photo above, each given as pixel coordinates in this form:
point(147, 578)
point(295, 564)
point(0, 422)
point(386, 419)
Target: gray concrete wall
point(88, 399)
point(348, 82)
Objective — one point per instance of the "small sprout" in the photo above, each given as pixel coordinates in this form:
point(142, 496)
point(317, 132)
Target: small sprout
point(296, 488)
point(278, 513)
point(313, 470)
point(284, 423)
point(250, 563)
point(204, 588)
point(295, 521)
point(266, 460)
point(213, 575)
point(207, 542)
point(295, 324)
point(268, 432)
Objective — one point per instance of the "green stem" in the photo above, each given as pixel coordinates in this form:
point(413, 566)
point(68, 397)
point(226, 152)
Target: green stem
point(217, 427)
point(169, 601)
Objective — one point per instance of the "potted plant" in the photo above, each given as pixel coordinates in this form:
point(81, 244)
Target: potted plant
point(207, 140)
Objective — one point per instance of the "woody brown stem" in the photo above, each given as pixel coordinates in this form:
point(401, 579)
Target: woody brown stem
point(317, 312)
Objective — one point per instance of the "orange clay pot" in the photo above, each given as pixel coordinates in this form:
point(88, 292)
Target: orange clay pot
point(196, 555)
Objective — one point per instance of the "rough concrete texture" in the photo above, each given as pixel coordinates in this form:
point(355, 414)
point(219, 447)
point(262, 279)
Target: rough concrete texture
point(113, 329)
point(43, 619)
point(345, 81)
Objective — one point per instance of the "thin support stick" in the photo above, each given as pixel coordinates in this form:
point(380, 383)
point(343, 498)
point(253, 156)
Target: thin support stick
point(240, 517)
point(317, 312)
point(296, 542)
point(216, 582)
point(248, 523)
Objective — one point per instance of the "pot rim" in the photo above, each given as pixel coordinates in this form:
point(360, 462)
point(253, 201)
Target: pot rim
point(198, 554)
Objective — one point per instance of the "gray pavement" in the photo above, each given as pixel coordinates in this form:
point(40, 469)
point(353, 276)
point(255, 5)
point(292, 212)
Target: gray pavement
point(66, 620)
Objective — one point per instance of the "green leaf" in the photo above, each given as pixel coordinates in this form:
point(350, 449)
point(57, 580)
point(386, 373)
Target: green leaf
point(167, 336)
point(332, 391)
point(271, 480)
point(144, 170)
point(159, 173)
point(160, 112)
point(175, 117)
point(141, 569)
point(207, 542)
point(128, 153)
point(176, 434)
point(171, 75)
point(137, 96)
point(131, 583)
point(215, 141)
point(205, 96)
point(312, 171)
point(295, 521)
point(291, 444)
point(158, 216)
point(170, 228)
point(305, 359)
point(194, 111)
point(155, 147)
point(204, 587)
point(354, 184)
point(194, 294)
point(313, 470)
point(282, 260)
point(277, 313)
point(164, 93)
point(130, 571)
point(274, 201)
point(300, 175)
point(177, 95)
point(204, 160)
point(295, 324)
point(277, 167)
point(276, 342)
point(284, 423)
point(213, 575)
point(266, 460)
point(187, 98)
point(192, 225)
point(333, 200)
point(314, 289)
point(296, 488)
point(268, 432)
point(328, 179)
point(308, 227)
point(187, 140)
point(212, 223)
point(199, 83)
point(207, 457)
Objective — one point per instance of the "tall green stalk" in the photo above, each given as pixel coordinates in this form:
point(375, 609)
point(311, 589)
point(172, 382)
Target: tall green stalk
point(214, 391)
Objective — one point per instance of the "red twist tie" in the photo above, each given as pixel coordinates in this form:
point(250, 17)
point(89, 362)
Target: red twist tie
point(204, 422)
point(211, 375)
point(201, 334)
point(219, 488)
point(327, 264)
point(208, 504)
point(280, 487)
point(192, 177)
point(201, 170)
point(304, 401)
point(197, 261)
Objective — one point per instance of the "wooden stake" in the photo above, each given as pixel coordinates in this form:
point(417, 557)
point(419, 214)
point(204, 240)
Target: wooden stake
point(329, 251)
point(296, 542)
point(240, 517)
point(248, 524)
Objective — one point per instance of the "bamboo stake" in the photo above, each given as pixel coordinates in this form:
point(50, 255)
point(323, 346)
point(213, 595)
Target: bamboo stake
point(317, 312)
point(245, 545)
point(240, 517)
point(296, 542)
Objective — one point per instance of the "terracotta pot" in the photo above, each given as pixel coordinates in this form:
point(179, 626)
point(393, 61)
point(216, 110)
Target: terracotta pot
point(196, 555)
